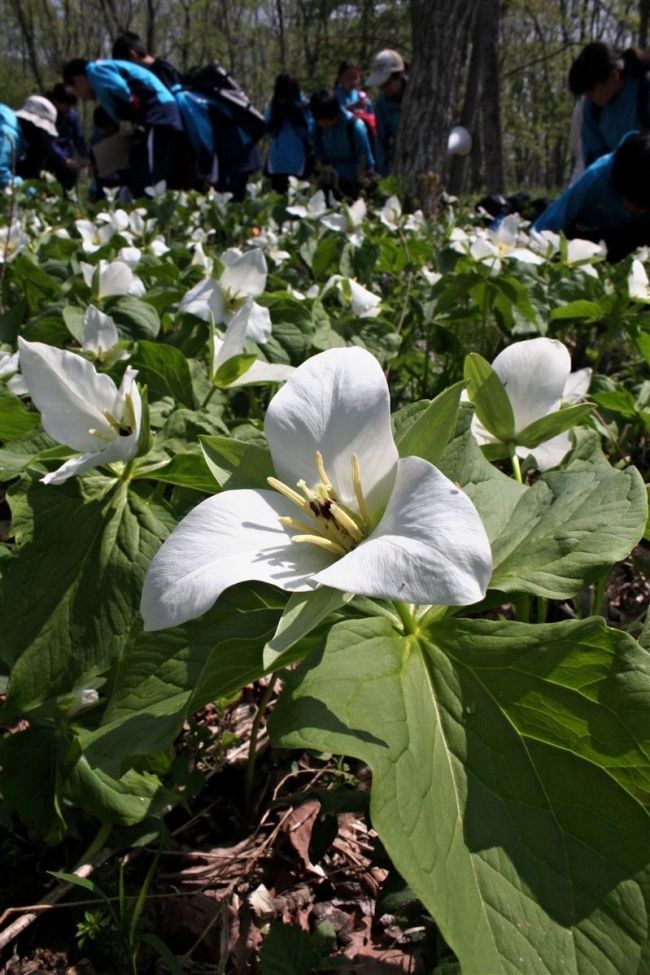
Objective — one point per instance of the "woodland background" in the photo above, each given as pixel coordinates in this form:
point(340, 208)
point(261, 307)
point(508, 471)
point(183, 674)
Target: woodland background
point(497, 66)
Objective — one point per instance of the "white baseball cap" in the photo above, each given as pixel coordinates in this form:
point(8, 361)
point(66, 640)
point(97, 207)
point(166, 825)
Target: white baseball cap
point(40, 112)
point(386, 63)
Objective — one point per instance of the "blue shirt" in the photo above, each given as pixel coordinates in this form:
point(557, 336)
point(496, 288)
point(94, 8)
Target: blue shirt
point(346, 147)
point(128, 91)
point(348, 99)
point(11, 145)
point(289, 147)
point(591, 207)
point(387, 114)
point(603, 128)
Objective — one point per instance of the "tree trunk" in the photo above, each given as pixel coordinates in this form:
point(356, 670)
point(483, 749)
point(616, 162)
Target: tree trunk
point(644, 16)
point(440, 29)
point(491, 98)
point(468, 113)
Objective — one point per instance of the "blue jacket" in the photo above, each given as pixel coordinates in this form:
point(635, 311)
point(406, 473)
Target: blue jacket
point(289, 147)
point(387, 114)
point(346, 147)
point(11, 145)
point(219, 145)
point(591, 208)
point(603, 128)
point(128, 91)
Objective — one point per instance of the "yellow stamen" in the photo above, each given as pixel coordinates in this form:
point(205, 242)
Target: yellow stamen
point(106, 437)
point(358, 491)
point(333, 547)
point(307, 491)
point(346, 522)
point(289, 493)
point(322, 473)
point(295, 523)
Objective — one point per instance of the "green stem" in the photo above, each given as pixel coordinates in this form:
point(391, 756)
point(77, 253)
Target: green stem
point(516, 466)
point(523, 609)
point(208, 397)
point(97, 844)
point(252, 748)
point(406, 616)
point(598, 604)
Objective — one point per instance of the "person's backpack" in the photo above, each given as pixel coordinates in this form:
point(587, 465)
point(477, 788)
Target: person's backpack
point(349, 128)
point(214, 81)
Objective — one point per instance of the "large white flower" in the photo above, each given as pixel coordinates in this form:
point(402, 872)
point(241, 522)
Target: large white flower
point(349, 221)
point(344, 511)
point(364, 303)
point(492, 246)
point(10, 375)
point(12, 241)
point(81, 408)
point(315, 207)
point(536, 375)
point(111, 278)
point(243, 278)
point(247, 325)
point(93, 236)
point(638, 285)
point(576, 253)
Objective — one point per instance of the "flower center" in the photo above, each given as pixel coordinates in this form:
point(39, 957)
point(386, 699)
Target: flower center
point(123, 427)
point(233, 300)
point(329, 523)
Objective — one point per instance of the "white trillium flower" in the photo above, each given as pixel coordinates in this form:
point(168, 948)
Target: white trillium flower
point(12, 240)
point(93, 236)
point(348, 221)
point(201, 259)
point(391, 213)
point(431, 277)
point(10, 375)
point(315, 207)
point(130, 255)
point(344, 510)
point(81, 408)
point(243, 277)
point(113, 278)
point(158, 247)
point(502, 243)
point(158, 190)
point(249, 324)
point(579, 253)
point(536, 375)
point(364, 303)
point(638, 285)
point(99, 333)
point(415, 221)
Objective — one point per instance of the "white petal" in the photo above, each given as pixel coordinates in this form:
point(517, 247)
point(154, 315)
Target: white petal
point(204, 300)
point(99, 331)
point(357, 212)
point(337, 403)
point(363, 301)
point(335, 221)
point(130, 255)
point(429, 547)
point(525, 255)
point(70, 394)
point(264, 372)
point(258, 328)
point(122, 448)
point(548, 454)
point(229, 538)
point(506, 232)
point(577, 386)
point(534, 373)
point(637, 282)
point(583, 250)
point(246, 275)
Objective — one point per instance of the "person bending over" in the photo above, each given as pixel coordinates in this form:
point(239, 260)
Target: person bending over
point(341, 142)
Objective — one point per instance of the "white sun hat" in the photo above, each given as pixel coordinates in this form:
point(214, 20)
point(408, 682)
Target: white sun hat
point(40, 112)
point(386, 63)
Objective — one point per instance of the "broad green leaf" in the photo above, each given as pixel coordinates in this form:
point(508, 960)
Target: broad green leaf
point(288, 950)
point(618, 401)
point(428, 436)
point(230, 370)
point(164, 677)
point(302, 614)
point(237, 464)
point(486, 391)
point(589, 311)
point(326, 256)
point(495, 750)
point(29, 779)
point(124, 799)
point(29, 451)
point(135, 319)
point(73, 317)
point(549, 426)
point(72, 594)
point(185, 470)
point(15, 421)
point(568, 528)
point(165, 371)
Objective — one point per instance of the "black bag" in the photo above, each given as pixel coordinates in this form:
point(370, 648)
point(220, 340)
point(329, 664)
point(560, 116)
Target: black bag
point(214, 81)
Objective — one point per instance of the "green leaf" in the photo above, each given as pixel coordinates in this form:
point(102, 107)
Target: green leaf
point(288, 950)
point(498, 751)
point(327, 254)
point(74, 320)
point(165, 371)
point(302, 614)
point(549, 426)
point(122, 800)
point(164, 677)
point(235, 463)
point(428, 436)
point(135, 319)
point(29, 779)
point(486, 391)
point(568, 528)
point(72, 593)
point(186, 470)
point(15, 421)
point(618, 401)
point(230, 370)
point(582, 310)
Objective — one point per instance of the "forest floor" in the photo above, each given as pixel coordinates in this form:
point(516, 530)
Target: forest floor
point(231, 875)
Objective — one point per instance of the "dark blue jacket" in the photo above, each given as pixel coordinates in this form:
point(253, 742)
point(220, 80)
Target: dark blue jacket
point(130, 92)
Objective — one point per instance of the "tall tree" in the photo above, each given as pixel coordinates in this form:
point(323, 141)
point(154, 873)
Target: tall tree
point(488, 38)
point(440, 32)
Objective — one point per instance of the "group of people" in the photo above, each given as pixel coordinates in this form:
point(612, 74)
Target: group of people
point(152, 124)
point(609, 198)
